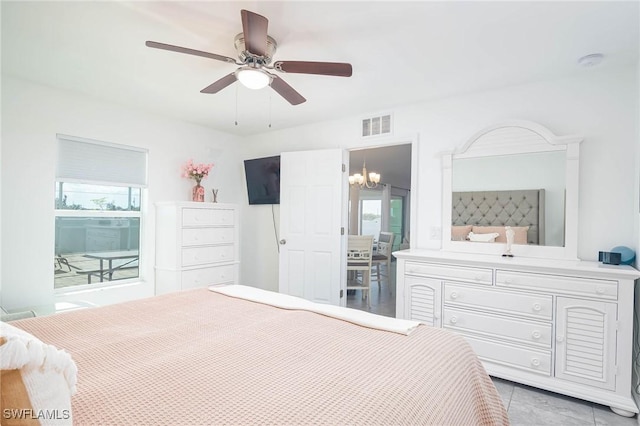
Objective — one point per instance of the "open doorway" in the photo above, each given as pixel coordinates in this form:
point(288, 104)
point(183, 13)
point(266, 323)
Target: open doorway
point(380, 209)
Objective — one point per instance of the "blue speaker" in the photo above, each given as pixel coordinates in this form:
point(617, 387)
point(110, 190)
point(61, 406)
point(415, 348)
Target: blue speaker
point(627, 255)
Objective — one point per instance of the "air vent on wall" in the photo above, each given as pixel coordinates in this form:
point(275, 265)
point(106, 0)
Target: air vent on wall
point(375, 126)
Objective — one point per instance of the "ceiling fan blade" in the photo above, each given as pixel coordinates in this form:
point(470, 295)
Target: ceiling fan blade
point(286, 91)
point(254, 27)
point(323, 68)
point(188, 51)
point(220, 84)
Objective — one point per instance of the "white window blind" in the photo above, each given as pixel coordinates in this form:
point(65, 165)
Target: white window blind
point(92, 161)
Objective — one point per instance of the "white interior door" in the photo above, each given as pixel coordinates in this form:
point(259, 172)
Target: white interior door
point(313, 214)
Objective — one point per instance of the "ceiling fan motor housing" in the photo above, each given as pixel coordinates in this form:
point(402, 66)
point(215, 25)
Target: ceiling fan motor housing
point(246, 56)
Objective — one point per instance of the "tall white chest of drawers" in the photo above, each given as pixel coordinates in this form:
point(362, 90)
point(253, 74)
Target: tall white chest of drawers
point(196, 245)
point(558, 325)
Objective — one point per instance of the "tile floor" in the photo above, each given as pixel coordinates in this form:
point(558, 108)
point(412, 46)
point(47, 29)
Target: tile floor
point(531, 406)
point(525, 405)
point(383, 300)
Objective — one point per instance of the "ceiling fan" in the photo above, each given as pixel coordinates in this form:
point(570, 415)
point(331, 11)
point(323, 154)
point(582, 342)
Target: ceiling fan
point(255, 51)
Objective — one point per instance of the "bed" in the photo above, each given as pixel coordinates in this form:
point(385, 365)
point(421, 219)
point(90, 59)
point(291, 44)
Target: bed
point(485, 212)
point(240, 355)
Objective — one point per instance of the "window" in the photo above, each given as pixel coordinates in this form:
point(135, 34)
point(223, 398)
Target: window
point(396, 220)
point(370, 220)
point(98, 194)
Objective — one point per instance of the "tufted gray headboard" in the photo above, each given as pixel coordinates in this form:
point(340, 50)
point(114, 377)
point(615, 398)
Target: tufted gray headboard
point(523, 207)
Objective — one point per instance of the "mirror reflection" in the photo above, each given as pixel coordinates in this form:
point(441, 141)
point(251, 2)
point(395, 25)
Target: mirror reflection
point(523, 191)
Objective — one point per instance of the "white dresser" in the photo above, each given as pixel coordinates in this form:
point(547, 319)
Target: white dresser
point(196, 245)
point(564, 326)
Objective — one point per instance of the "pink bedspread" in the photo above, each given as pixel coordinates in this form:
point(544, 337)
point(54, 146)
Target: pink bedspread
point(199, 357)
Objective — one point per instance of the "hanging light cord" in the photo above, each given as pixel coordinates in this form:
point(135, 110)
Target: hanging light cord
point(236, 104)
point(275, 231)
point(269, 110)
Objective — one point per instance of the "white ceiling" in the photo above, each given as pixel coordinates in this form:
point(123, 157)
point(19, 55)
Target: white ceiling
point(401, 52)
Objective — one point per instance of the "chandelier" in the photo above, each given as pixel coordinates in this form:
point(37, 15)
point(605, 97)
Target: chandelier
point(361, 179)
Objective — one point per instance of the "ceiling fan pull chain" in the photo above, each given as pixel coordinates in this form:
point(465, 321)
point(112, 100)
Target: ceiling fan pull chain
point(236, 104)
point(269, 110)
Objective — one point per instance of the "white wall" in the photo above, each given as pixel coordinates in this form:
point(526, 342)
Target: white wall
point(31, 117)
point(601, 105)
point(636, 330)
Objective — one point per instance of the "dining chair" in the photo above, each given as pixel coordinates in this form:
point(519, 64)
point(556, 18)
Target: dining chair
point(383, 256)
point(359, 255)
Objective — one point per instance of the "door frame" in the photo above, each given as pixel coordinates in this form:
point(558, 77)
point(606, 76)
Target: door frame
point(413, 189)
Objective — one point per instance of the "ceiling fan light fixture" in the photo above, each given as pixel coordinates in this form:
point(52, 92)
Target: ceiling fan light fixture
point(253, 78)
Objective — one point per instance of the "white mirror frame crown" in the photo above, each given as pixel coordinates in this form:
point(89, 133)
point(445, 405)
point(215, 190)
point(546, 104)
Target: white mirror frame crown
point(516, 137)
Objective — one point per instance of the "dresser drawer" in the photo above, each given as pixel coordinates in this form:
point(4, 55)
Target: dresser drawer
point(204, 277)
point(476, 275)
point(530, 305)
point(525, 359)
point(558, 284)
point(202, 236)
point(207, 217)
point(203, 255)
point(519, 331)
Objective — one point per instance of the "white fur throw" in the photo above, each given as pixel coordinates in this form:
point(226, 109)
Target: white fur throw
point(49, 374)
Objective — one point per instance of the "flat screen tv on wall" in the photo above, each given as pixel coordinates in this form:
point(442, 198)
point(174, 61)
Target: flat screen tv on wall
point(263, 180)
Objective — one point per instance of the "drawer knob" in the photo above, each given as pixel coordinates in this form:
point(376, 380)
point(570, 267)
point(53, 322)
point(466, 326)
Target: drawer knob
point(453, 320)
point(559, 339)
point(508, 281)
point(535, 362)
point(454, 294)
point(600, 290)
point(536, 307)
point(535, 335)
point(478, 278)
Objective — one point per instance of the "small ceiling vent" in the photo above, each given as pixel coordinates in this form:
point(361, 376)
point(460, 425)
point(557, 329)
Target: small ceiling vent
point(376, 126)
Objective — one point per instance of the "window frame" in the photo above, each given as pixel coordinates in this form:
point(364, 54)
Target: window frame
point(125, 214)
point(141, 214)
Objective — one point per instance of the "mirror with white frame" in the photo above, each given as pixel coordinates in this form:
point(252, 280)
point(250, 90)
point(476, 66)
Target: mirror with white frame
point(515, 174)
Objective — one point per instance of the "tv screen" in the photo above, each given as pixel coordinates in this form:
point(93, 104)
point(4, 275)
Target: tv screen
point(263, 180)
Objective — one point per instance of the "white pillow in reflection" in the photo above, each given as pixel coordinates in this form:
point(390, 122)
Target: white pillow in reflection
point(483, 238)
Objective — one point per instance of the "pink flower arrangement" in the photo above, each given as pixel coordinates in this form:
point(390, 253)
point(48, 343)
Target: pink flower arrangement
point(196, 172)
